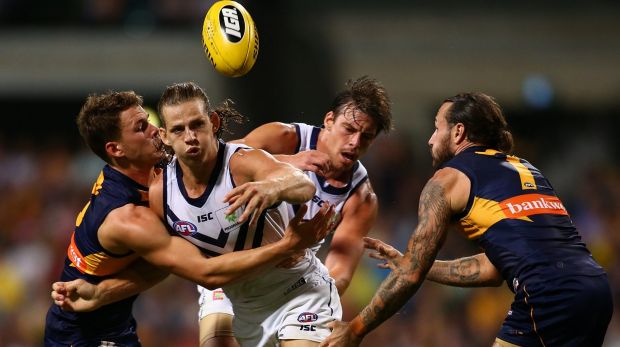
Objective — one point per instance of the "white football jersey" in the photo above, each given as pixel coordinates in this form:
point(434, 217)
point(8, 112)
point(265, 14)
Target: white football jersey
point(202, 221)
point(337, 196)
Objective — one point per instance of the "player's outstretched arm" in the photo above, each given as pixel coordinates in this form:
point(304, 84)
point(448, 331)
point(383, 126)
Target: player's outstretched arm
point(434, 214)
point(347, 245)
point(142, 232)
point(274, 137)
point(474, 271)
point(281, 140)
point(263, 181)
point(81, 296)
point(188, 262)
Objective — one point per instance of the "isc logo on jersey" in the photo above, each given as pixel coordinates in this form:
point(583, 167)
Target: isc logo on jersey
point(184, 228)
point(307, 317)
point(230, 38)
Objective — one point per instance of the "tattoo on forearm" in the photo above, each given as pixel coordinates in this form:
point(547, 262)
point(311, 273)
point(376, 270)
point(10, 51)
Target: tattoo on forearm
point(434, 216)
point(466, 270)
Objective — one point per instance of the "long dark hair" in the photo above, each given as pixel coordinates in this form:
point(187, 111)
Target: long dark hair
point(483, 120)
point(186, 91)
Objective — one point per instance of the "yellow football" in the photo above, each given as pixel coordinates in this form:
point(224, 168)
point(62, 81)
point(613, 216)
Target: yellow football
point(230, 38)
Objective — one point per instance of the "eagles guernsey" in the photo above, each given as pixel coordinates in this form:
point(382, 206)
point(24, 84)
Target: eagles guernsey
point(202, 221)
point(87, 259)
point(307, 136)
point(516, 217)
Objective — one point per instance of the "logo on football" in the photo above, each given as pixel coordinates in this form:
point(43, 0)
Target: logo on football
point(230, 38)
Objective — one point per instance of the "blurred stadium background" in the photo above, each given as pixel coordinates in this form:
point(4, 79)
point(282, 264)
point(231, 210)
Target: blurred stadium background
point(554, 66)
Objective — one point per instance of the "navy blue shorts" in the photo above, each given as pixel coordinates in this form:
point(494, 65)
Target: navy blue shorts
point(568, 311)
point(61, 331)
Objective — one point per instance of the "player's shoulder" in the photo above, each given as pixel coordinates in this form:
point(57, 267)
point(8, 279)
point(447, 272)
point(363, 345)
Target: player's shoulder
point(285, 133)
point(125, 226)
point(363, 197)
point(129, 217)
point(276, 130)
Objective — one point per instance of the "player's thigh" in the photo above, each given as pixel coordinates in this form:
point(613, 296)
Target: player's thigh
point(216, 330)
point(298, 343)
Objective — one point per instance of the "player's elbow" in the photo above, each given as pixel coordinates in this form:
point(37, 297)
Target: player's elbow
point(211, 281)
point(305, 188)
point(212, 284)
point(309, 189)
point(495, 281)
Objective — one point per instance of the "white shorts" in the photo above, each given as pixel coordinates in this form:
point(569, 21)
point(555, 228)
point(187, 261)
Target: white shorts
point(213, 301)
point(304, 316)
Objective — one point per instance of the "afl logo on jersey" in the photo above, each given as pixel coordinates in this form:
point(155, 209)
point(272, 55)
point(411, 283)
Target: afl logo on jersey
point(184, 228)
point(307, 317)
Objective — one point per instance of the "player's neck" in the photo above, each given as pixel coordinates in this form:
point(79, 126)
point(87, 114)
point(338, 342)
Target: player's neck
point(142, 176)
point(196, 175)
point(464, 145)
point(340, 178)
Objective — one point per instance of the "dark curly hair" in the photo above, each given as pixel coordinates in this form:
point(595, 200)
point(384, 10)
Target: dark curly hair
point(369, 96)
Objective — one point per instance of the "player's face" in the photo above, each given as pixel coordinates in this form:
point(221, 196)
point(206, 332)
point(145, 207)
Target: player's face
point(139, 139)
point(348, 136)
point(440, 140)
point(190, 131)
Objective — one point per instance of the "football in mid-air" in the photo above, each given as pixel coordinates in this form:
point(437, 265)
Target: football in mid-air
point(230, 38)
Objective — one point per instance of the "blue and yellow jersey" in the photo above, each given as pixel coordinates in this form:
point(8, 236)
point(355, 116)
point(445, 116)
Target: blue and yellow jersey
point(517, 218)
point(87, 259)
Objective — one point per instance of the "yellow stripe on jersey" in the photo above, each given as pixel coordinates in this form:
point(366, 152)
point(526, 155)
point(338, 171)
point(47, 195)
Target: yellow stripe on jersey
point(80, 216)
point(483, 214)
point(527, 179)
point(98, 184)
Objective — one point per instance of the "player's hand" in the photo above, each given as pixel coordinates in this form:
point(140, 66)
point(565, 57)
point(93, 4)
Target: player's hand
point(390, 255)
point(255, 196)
point(302, 235)
point(77, 295)
point(341, 336)
point(312, 160)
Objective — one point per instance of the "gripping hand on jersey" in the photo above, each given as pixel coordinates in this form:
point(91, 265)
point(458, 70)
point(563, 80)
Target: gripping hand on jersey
point(255, 196)
point(312, 160)
point(390, 255)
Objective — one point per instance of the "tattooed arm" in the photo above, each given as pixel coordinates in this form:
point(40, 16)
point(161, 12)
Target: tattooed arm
point(474, 271)
point(445, 194)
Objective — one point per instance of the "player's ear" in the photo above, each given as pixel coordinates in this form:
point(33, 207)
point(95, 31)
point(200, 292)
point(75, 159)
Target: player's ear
point(329, 120)
point(458, 133)
point(215, 121)
point(114, 149)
